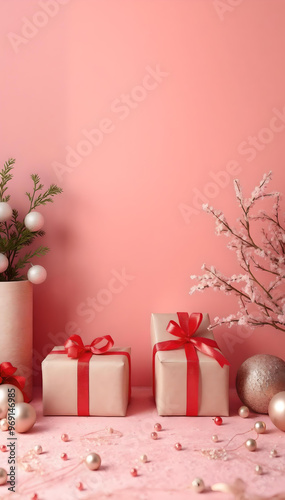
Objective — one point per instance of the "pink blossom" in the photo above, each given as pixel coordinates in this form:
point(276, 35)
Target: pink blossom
point(260, 287)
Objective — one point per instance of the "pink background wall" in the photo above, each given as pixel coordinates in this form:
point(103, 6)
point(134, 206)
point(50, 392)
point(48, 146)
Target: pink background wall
point(69, 70)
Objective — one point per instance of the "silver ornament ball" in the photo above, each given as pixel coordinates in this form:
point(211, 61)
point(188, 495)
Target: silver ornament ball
point(5, 211)
point(34, 221)
point(4, 263)
point(259, 378)
point(37, 274)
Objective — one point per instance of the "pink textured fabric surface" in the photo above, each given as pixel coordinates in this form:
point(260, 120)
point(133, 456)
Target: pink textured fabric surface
point(193, 92)
point(168, 473)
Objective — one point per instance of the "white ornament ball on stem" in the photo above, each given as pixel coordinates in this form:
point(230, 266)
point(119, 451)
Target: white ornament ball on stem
point(4, 263)
point(4, 394)
point(6, 211)
point(34, 221)
point(37, 274)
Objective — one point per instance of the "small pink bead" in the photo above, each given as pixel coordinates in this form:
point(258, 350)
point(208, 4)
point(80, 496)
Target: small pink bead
point(157, 427)
point(64, 437)
point(134, 472)
point(79, 486)
point(3, 447)
point(34, 496)
point(63, 456)
point(178, 446)
point(154, 435)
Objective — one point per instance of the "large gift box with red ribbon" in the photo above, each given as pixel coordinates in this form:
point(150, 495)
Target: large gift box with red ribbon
point(83, 379)
point(190, 374)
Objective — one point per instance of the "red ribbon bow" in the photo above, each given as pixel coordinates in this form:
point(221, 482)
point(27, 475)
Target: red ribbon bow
point(75, 349)
point(7, 376)
point(185, 331)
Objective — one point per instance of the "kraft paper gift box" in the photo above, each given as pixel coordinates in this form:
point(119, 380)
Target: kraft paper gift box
point(194, 387)
point(92, 384)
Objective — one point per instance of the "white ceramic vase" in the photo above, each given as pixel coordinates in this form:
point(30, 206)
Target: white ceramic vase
point(16, 328)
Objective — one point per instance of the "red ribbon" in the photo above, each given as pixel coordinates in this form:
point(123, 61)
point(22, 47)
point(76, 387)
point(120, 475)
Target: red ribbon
point(7, 376)
point(75, 349)
point(185, 331)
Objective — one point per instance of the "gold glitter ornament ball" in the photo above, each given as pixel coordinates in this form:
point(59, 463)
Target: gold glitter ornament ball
point(259, 378)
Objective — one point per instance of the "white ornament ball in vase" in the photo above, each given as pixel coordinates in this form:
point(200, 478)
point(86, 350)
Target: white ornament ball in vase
point(37, 274)
point(6, 211)
point(4, 263)
point(34, 221)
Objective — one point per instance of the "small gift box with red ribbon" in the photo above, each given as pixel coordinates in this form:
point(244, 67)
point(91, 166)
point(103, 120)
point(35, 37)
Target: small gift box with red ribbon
point(190, 374)
point(83, 379)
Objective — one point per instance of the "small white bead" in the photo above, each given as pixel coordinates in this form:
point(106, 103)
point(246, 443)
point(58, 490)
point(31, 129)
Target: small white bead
point(198, 485)
point(258, 469)
point(243, 412)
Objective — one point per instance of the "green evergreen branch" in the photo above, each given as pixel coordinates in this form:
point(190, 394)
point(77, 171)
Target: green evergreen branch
point(39, 252)
point(14, 236)
point(43, 198)
point(5, 177)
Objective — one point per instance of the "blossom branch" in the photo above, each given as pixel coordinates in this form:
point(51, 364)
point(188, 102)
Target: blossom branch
point(261, 302)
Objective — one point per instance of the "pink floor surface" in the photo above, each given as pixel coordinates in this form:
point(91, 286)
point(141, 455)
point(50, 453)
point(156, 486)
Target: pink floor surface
point(167, 474)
